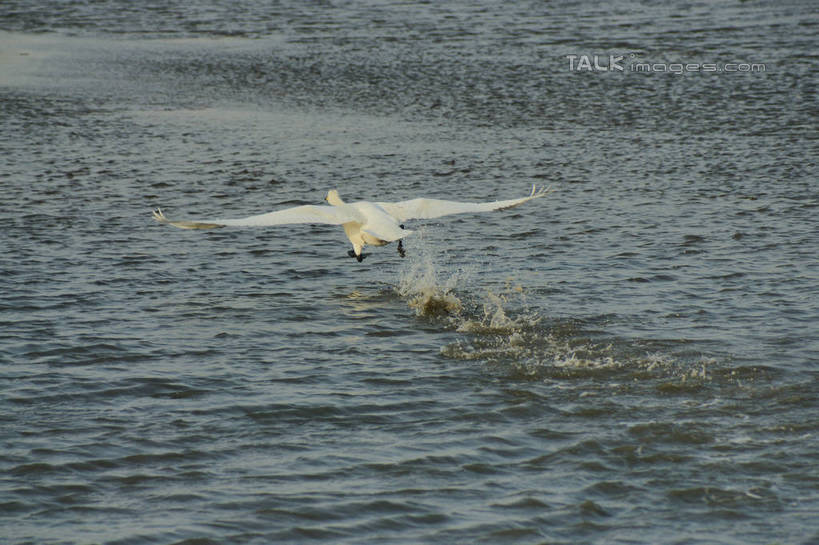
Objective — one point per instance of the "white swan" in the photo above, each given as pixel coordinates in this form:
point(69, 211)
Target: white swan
point(364, 222)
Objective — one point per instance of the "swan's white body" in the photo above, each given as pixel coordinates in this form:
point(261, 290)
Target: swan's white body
point(365, 223)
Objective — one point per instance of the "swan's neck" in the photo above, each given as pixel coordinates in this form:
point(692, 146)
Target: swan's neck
point(333, 198)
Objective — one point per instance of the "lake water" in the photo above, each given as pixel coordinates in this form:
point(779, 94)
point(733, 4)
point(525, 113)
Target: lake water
point(631, 359)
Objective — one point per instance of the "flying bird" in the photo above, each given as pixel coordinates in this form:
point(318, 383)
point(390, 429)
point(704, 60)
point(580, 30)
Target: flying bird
point(364, 222)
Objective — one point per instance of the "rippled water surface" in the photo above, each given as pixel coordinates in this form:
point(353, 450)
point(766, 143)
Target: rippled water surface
point(632, 359)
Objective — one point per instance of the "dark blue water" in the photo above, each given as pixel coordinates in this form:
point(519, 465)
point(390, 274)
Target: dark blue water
point(632, 359)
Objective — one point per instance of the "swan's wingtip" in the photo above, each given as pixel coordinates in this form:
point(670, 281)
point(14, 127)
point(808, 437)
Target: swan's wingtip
point(540, 192)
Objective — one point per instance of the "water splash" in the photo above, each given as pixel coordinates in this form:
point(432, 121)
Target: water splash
point(500, 328)
point(493, 331)
point(495, 317)
point(421, 284)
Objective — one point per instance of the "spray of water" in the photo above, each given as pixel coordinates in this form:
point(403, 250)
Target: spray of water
point(499, 327)
point(428, 292)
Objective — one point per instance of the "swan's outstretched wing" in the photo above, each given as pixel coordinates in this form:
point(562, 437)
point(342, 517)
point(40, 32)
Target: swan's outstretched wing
point(434, 208)
point(300, 214)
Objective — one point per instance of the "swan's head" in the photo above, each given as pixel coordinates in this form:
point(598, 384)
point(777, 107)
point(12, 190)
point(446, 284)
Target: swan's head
point(333, 198)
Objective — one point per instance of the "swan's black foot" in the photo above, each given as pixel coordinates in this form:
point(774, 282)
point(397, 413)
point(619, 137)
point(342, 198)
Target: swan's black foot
point(401, 251)
point(359, 258)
